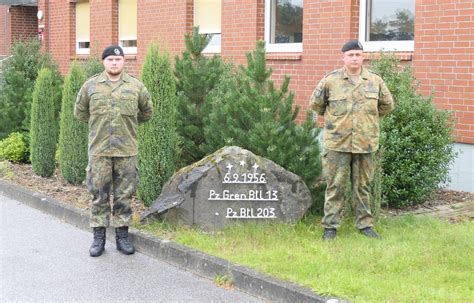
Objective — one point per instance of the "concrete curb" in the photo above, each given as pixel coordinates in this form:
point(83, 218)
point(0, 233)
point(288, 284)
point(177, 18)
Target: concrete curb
point(246, 280)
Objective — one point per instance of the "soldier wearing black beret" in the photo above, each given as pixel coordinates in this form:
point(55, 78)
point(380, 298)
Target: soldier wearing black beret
point(112, 103)
point(352, 45)
point(352, 100)
point(113, 50)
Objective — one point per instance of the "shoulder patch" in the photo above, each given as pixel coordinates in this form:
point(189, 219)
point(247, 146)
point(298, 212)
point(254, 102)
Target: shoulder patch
point(375, 73)
point(93, 76)
point(331, 73)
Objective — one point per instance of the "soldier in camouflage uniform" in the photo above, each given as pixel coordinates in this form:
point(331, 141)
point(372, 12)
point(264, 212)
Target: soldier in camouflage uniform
point(112, 103)
point(352, 100)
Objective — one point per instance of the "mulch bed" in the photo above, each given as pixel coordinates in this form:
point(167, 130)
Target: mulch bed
point(77, 195)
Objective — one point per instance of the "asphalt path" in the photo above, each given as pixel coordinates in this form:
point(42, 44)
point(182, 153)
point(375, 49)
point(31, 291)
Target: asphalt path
point(46, 260)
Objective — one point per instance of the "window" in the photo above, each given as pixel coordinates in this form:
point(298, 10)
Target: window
point(207, 15)
point(387, 24)
point(128, 26)
point(82, 28)
point(284, 25)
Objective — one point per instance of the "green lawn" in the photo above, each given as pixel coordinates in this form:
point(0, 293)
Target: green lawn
point(419, 259)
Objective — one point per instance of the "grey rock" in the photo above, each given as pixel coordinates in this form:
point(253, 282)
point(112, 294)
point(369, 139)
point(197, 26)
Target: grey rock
point(231, 185)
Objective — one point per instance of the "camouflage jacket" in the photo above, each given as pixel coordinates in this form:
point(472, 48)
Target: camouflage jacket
point(352, 111)
point(113, 114)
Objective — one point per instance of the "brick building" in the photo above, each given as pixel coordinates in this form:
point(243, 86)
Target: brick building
point(303, 40)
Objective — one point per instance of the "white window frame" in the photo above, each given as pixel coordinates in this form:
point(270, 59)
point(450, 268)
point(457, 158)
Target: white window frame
point(376, 46)
point(81, 50)
point(213, 49)
point(127, 50)
point(277, 47)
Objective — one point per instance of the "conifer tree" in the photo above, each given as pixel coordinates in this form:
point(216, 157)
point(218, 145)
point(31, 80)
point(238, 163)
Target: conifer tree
point(19, 73)
point(248, 111)
point(73, 133)
point(93, 66)
point(44, 124)
point(157, 138)
point(196, 76)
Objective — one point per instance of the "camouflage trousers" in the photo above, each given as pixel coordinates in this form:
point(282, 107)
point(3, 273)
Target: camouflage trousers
point(338, 167)
point(116, 174)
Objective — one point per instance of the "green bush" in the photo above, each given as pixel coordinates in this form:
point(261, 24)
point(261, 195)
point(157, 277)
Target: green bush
point(416, 138)
point(44, 124)
point(248, 111)
point(196, 76)
point(93, 66)
point(19, 74)
point(157, 138)
point(14, 148)
point(73, 133)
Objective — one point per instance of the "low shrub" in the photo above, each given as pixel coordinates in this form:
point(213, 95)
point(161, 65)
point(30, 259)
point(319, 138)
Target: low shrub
point(14, 148)
point(416, 138)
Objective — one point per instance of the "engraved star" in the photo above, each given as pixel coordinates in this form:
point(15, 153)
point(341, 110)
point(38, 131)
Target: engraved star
point(242, 163)
point(255, 166)
point(229, 166)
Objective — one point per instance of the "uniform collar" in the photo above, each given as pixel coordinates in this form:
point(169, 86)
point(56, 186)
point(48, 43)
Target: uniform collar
point(363, 73)
point(103, 77)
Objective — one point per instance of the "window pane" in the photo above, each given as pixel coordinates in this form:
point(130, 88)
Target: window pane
point(82, 23)
point(286, 21)
point(127, 20)
point(83, 44)
point(128, 43)
point(207, 15)
point(390, 20)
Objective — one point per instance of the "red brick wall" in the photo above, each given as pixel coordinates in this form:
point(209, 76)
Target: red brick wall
point(60, 27)
point(104, 25)
point(24, 23)
point(242, 26)
point(443, 57)
point(443, 60)
point(4, 30)
point(16, 23)
point(164, 22)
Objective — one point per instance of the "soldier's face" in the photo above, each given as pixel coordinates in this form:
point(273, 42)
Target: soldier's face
point(353, 59)
point(113, 65)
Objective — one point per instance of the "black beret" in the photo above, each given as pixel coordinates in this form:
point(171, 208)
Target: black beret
point(113, 50)
point(352, 45)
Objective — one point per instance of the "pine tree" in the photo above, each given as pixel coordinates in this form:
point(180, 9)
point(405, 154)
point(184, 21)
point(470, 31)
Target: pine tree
point(248, 111)
point(73, 133)
point(157, 138)
point(44, 124)
point(196, 76)
point(19, 74)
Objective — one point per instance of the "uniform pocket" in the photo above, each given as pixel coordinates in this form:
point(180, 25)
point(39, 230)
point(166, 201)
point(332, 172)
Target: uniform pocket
point(338, 105)
point(371, 102)
point(98, 104)
point(129, 106)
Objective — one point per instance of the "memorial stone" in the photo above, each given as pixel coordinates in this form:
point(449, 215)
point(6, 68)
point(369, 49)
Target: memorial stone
point(231, 185)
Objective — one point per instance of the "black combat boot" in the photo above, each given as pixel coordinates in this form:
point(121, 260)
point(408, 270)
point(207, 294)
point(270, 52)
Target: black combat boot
point(369, 232)
point(329, 234)
point(123, 244)
point(98, 246)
